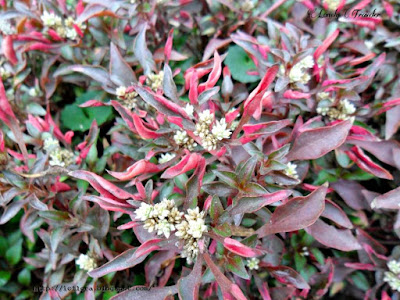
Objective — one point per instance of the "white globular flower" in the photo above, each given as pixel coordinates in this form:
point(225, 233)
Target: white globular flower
point(120, 91)
point(155, 81)
point(307, 62)
point(181, 137)
point(71, 33)
point(189, 109)
point(206, 117)
point(347, 107)
point(298, 73)
point(166, 157)
point(220, 130)
point(197, 228)
point(332, 4)
point(291, 170)
point(50, 19)
point(194, 214)
point(6, 28)
point(322, 96)
point(253, 263)
point(394, 266)
point(160, 211)
point(4, 74)
point(144, 212)
point(164, 227)
point(86, 262)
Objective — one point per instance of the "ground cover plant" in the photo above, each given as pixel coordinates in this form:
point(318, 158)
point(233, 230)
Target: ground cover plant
point(199, 149)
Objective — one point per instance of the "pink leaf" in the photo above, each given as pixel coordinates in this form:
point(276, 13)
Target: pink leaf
point(142, 130)
point(240, 249)
point(295, 214)
point(316, 142)
point(389, 200)
point(214, 75)
point(332, 237)
point(8, 49)
point(138, 168)
point(188, 162)
point(325, 45)
point(290, 94)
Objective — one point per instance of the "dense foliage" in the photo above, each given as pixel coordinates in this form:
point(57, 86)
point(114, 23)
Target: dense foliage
point(199, 149)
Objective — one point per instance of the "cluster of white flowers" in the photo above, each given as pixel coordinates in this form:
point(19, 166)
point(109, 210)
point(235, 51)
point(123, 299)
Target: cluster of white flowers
point(6, 28)
point(181, 138)
point(58, 156)
point(164, 217)
point(304, 251)
point(392, 277)
point(4, 73)
point(189, 109)
point(155, 81)
point(211, 137)
point(253, 263)
point(127, 98)
point(166, 157)
point(291, 170)
point(247, 5)
point(332, 4)
point(86, 262)
point(298, 71)
point(343, 111)
point(161, 217)
point(64, 29)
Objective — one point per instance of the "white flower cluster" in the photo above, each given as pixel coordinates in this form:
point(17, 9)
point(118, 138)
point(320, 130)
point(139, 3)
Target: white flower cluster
point(189, 109)
point(298, 71)
point(343, 111)
point(6, 28)
point(166, 157)
point(392, 277)
point(64, 29)
point(58, 156)
point(247, 5)
point(253, 263)
point(181, 138)
point(4, 73)
point(164, 217)
point(155, 81)
point(86, 262)
point(291, 170)
point(332, 4)
point(211, 137)
point(128, 98)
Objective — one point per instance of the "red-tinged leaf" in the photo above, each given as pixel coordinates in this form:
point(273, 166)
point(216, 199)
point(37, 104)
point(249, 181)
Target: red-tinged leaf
point(213, 45)
point(138, 168)
point(316, 142)
point(366, 164)
point(263, 289)
point(148, 247)
point(195, 182)
point(360, 266)
point(332, 237)
point(94, 10)
point(188, 287)
point(336, 214)
point(8, 117)
point(385, 296)
point(225, 284)
point(392, 121)
point(157, 293)
point(295, 214)
point(290, 94)
point(351, 193)
point(382, 150)
point(253, 204)
point(144, 132)
point(142, 53)
point(120, 72)
point(188, 162)
point(128, 225)
point(193, 92)
point(362, 59)
point(8, 49)
point(287, 275)
point(214, 75)
point(240, 249)
point(265, 128)
point(169, 86)
point(96, 73)
point(38, 46)
point(389, 200)
point(93, 103)
point(12, 209)
point(2, 145)
point(125, 260)
point(389, 10)
point(325, 44)
point(104, 187)
point(370, 72)
point(168, 45)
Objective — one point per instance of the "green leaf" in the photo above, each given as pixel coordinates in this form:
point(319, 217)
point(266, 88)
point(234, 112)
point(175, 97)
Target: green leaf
point(79, 119)
point(300, 261)
point(216, 208)
point(239, 64)
point(236, 266)
point(223, 230)
point(14, 254)
point(24, 277)
point(319, 256)
point(3, 246)
point(360, 281)
point(4, 277)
